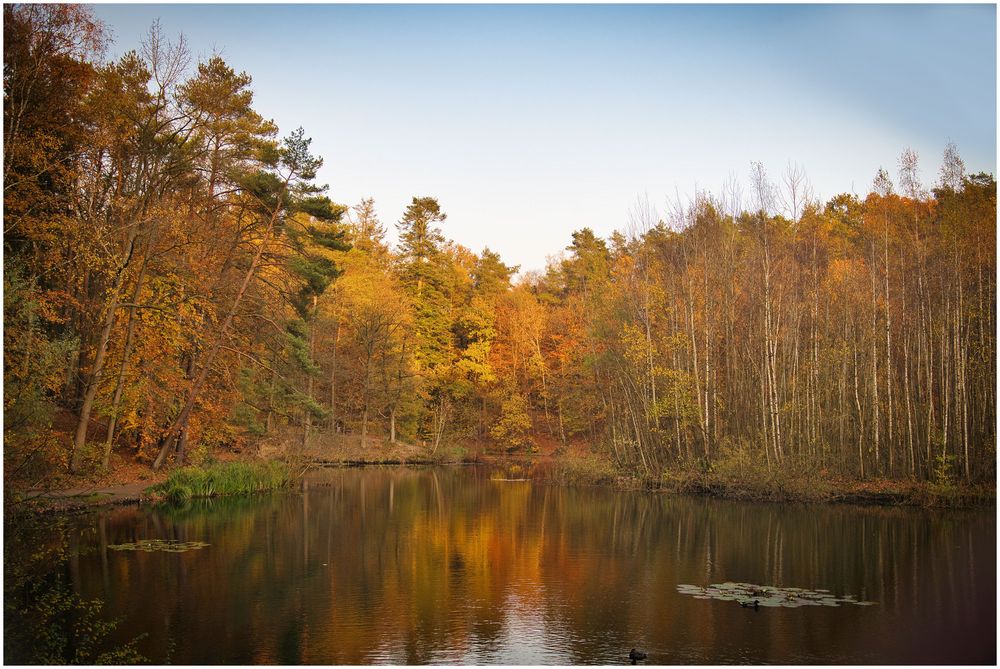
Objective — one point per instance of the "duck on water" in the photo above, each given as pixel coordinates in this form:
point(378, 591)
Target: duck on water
point(635, 655)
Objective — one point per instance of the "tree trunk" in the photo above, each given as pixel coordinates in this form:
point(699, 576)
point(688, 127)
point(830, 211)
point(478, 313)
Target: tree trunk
point(861, 419)
point(369, 354)
point(888, 357)
point(442, 417)
point(307, 417)
point(126, 353)
point(876, 424)
point(177, 427)
point(102, 348)
point(333, 379)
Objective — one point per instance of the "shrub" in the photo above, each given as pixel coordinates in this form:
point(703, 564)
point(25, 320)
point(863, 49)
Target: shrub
point(513, 425)
point(34, 366)
point(943, 485)
point(739, 471)
point(450, 454)
point(588, 470)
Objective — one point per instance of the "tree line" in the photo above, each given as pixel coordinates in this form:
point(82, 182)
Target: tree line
point(175, 282)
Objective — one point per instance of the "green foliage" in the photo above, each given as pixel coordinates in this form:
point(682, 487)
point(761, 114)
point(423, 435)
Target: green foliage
point(229, 478)
point(266, 189)
point(419, 239)
point(179, 493)
point(491, 277)
point(589, 265)
point(297, 340)
point(323, 209)
point(309, 404)
point(424, 274)
point(943, 484)
point(296, 160)
point(740, 471)
point(312, 262)
point(223, 100)
point(450, 455)
point(246, 417)
point(90, 455)
point(33, 365)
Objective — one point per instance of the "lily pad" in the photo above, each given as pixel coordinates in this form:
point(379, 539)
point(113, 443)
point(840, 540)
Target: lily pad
point(772, 602)
point(161, 545)
point(767, 596)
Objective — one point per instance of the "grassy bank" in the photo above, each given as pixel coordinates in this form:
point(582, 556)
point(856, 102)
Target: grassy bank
point(347, 449)
point(226, 478)
point(833, 490)
point(741, 475)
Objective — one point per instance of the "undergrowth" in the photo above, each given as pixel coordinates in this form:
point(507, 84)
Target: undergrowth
point(588, 469)
point(738, 472)
point(450, 454)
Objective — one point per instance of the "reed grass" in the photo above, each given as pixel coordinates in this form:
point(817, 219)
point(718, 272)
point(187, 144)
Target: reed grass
point(226, 478)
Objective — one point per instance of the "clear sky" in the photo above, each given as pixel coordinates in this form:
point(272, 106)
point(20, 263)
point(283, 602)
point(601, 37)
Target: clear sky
point(530, 121)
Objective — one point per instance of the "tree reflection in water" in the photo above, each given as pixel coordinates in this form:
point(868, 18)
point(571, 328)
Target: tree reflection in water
point(412, 566)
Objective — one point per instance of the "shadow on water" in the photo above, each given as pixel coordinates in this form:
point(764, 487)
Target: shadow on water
point(412, 566)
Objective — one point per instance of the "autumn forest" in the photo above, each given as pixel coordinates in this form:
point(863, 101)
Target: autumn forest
point(177, 285)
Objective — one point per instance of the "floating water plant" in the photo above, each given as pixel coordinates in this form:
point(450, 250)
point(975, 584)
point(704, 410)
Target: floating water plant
point(162, 545)
point(768, 595)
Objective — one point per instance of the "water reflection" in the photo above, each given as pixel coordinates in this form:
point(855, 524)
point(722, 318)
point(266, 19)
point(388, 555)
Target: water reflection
point(412, 566)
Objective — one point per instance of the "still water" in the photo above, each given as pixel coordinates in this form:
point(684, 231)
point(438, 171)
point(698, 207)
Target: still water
point(442, 566)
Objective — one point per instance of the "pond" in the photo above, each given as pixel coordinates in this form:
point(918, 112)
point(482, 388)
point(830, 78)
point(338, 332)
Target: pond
point(445, 565)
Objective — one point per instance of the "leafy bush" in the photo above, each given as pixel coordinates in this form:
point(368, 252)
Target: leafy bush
point(739, 471)
point(450, 454)
point(34, 365)
point(588, 470)
point(943, 485)
point(513, 425)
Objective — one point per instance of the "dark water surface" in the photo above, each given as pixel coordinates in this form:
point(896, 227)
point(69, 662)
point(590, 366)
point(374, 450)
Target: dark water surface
point(412, 566)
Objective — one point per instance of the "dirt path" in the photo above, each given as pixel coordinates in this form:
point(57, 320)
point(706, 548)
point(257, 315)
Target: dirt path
point(93, 495)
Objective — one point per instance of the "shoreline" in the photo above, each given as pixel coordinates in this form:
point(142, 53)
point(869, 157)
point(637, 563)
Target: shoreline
point(567, 472)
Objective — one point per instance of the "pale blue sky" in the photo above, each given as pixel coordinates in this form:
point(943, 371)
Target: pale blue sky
point(530, 121)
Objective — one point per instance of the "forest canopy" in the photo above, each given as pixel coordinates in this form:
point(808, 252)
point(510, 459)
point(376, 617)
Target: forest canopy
point(177, 284)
